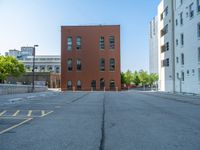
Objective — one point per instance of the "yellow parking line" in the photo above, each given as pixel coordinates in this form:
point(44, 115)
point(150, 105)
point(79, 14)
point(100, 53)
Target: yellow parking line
point(15, 126)
point(43, 113)
point(16, 113)
point(3, 112)
point(29, 113)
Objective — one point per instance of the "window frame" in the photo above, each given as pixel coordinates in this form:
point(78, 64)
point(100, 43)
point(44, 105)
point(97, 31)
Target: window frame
point(69, 43)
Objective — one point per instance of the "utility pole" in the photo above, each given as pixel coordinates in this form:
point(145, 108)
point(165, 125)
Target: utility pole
point(33, 70)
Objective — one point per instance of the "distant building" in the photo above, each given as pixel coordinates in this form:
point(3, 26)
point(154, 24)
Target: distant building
point(179, 45)
point(90, 57)
point(13, 52)
point(43, 63)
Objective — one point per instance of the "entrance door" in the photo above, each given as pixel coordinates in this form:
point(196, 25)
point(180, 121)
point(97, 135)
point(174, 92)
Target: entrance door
point(93, 85)
point(102, 84)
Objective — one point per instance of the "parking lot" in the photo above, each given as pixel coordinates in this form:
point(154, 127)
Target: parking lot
point(99, 121)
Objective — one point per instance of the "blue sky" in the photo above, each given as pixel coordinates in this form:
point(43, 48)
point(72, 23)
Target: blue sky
point(29, 22)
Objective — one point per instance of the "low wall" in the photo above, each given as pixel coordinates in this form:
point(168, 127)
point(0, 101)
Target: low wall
point(16, 89)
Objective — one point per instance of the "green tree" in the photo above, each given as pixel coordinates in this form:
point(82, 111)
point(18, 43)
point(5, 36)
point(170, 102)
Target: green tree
point(136, 79)
point(128, 77)
point(10, 66)
point(144, 78)
point(123, 78)
point(152, 78)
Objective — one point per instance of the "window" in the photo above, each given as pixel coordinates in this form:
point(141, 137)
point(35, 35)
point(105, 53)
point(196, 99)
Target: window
point(164, 14)
point(199, 73)
point(112, 42)
point(78, 63)
point(112, 85)
point(165, 62)
point(78, 43)
point(198, 30)
point(69, 43)
point(112, 64)
point(182, 59)
point(199, 54)
point(181, 18)
point(176, 42)
point(101, 43)
point(78, 85)
point(191, 10)
point(188, 72)
point(177, 60)
point(69, 85)
point(182, 39)
point(176, 22)
point(164, 30)
point(69, 64)
point(102, 64)
point(198, 5)
point(182, 76)
point(165, 47)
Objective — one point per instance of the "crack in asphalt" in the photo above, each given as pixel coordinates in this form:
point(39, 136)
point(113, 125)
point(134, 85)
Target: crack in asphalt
point(102, 141)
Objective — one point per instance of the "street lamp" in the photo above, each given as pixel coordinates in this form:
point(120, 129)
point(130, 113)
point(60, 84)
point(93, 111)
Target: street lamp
point(33, 70)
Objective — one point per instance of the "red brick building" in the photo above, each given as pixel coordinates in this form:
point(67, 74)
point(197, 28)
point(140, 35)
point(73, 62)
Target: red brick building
point(90, 58)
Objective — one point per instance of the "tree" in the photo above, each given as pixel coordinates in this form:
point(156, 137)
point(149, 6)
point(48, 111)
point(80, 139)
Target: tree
point(152, 78)
point(144, 78)
point(123, 78)
point(136, 79)
point(10, 66)
point(129, 77)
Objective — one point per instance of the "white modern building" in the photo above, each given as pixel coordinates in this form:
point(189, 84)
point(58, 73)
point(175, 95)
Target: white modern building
point(43, 63)
point(179, 45)
point(153, 44)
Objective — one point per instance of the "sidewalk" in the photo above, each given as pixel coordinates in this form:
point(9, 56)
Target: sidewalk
point(184, 98)
point(15, 98)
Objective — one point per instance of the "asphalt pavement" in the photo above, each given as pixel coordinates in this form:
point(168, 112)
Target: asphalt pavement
point(130, 120)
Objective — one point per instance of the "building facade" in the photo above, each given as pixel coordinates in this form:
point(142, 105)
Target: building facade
point(179, 45)
point(153, 44)
point(90, 58)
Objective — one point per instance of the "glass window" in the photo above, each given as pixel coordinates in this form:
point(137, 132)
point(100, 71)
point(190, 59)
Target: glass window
point(78, 85)
point(78, 65)
point(199, 73)
point(69, 43)
point(69, 85)
point(78, 43)
point(112, 64)
point(191, 10)
point(181, 18)
point(101, 43)
point(102, 64)
point(198, 30)
point(112, 42)
point(182, 39)
point(164, 30)
point(199, 54)
point(165, 62)
point(112, 85)
point(182, 59)
point(198, 5)
point(183, 76)
point(69, 64)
